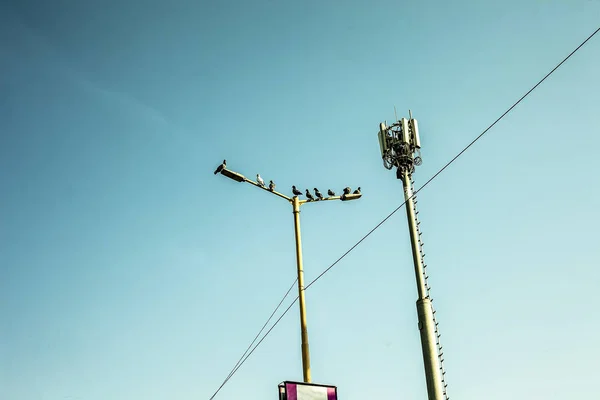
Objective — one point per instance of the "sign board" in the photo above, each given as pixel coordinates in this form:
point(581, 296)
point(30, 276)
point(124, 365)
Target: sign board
point(306, 391)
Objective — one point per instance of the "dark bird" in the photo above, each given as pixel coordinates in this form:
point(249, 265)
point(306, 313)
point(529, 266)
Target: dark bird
point(357, 191)
point(318, 194)
point(221, 167)
point(296, 192)
point(347, 190)
point(271, 186)
point(309, 196)
point(330, 192)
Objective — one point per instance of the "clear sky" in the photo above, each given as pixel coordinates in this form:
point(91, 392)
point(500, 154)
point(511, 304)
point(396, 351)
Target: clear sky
point(129, 271)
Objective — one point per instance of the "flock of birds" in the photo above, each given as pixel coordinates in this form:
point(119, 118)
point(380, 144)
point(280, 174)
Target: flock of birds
point(318, 194)
point(295, 191)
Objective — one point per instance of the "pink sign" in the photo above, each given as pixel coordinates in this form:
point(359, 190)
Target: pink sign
point(306, 391)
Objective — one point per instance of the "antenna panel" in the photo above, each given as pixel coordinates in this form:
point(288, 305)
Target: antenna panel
point(382, 139)
point(416, 140)
point(405, 131)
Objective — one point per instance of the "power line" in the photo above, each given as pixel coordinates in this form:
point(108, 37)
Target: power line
point(456, 156)
point(242, 359)
point(234, 370)
point(267, 333)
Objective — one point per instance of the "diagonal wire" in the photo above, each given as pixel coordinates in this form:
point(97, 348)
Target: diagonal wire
point(234, 370)
point(242, 359)
point(457, 156)
point(267, 333)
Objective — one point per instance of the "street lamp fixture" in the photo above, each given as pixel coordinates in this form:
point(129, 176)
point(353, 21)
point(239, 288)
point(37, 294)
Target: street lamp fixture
point(296, 203)
point(233, 175)
point(348, 197)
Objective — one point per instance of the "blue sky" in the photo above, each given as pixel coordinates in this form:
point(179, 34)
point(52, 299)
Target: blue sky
point(128, 270)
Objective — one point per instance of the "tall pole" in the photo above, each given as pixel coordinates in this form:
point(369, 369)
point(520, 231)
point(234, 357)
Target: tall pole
point(296, 203)
point(400, 147)
point(424, 309)
point(303, 329)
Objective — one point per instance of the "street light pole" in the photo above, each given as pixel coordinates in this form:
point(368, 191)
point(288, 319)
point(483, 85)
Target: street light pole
point(303, 329)
point(296, 203)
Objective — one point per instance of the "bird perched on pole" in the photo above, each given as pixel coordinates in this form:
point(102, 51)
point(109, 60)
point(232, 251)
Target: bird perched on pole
point(260, 180)
point(271, 186)
point(296, 192)
point(330, 192)
point(318, 194)
point(309, 196)
point(347, 190)
point(221, 167)
point(357, 191)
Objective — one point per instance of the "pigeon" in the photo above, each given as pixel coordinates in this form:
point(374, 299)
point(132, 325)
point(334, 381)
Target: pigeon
point(271, 186)
point(330, 192)
point(357, 191)
point(347, 190)
point(296, 192)
point(260, 180)
point(318, 194)
point(309, 196)
point(221, 167)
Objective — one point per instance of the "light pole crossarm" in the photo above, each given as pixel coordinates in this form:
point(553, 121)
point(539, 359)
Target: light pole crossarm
point(236, 176)
point(346, 197)
point(283, 196)
point(319, 200)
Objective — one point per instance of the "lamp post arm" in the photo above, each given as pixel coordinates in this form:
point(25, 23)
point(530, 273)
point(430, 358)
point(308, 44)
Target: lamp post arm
point(283, 196)
point(346, 197)
point(317, 201)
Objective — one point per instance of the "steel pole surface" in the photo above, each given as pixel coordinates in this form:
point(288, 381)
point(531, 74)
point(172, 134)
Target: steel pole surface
point(424, 309)
point(301, 300)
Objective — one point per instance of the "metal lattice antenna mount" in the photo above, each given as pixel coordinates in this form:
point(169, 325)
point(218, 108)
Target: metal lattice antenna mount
point(400, 144)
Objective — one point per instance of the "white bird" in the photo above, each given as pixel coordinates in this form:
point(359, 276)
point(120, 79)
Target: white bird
point(260, 180)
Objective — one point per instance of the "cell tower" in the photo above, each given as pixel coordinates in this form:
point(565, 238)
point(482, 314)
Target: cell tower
point(400, 147)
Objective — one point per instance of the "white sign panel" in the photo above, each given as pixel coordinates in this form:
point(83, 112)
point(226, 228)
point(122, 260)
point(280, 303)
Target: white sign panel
point(296, 391)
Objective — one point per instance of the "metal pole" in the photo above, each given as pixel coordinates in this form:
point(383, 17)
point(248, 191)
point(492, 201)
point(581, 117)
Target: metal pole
point(303, 329)
point(296, 203)
point(424, 309)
